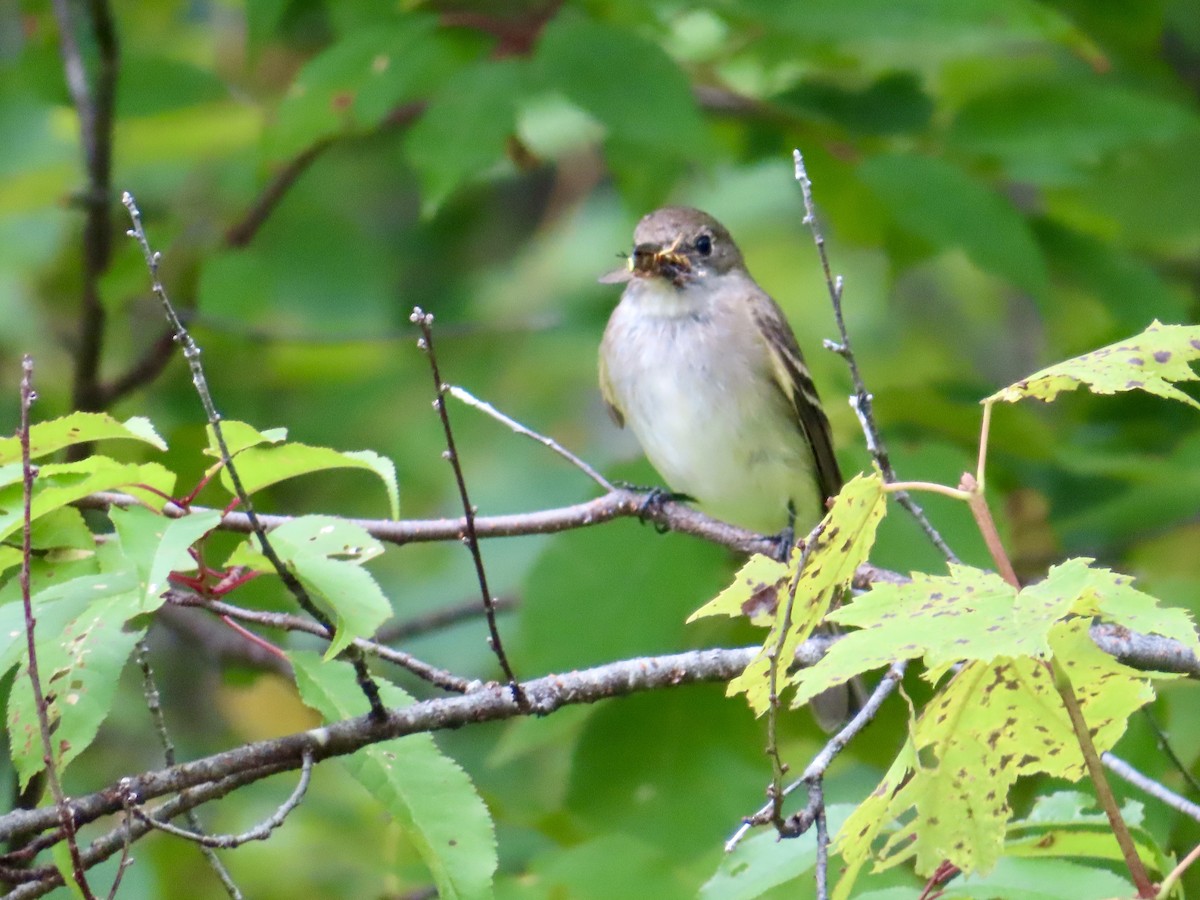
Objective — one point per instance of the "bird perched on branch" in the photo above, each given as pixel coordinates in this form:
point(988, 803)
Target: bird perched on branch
point(700, 363)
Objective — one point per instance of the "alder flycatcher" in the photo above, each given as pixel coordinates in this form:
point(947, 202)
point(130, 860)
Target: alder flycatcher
point(701, 364)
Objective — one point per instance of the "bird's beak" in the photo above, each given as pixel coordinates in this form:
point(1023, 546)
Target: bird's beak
point(648, 260)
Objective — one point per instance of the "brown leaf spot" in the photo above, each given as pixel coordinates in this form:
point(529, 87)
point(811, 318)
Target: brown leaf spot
point(764, 600)
point(1136, 361)
point(1162, 355)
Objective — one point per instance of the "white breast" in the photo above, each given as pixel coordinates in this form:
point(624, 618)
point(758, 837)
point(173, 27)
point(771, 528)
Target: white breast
point(692, 377)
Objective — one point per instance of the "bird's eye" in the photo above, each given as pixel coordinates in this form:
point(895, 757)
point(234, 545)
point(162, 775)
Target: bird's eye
point(704, 245)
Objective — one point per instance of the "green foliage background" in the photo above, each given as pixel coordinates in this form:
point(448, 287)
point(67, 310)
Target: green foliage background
point(1003, 183)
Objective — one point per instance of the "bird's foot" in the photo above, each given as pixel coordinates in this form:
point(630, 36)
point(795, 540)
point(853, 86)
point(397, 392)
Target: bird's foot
point(784, 542)
point(653, 501)
point(786, 539)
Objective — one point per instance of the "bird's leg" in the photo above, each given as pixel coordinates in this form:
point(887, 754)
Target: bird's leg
point(786, 539)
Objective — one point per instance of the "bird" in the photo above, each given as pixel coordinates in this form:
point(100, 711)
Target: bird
point(701, 365)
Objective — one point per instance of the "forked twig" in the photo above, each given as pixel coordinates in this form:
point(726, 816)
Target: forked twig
point(424, 321)
point(468, 398)
point(862, 400)
point(66, 816)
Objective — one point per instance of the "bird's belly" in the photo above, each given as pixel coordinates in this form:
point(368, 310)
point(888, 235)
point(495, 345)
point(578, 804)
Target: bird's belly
point(718, 430)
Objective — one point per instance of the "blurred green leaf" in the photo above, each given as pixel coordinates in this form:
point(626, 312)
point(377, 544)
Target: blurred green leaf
point(762, 861)
point(353, 84)
point(941, 204)
point(164, 84)
point(894, 103)
point(627, 82)
point(463, 131)
point(426, 792)
point(1045, 131)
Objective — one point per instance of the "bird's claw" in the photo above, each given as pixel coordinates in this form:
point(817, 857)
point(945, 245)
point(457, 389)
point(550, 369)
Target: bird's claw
point(653, 502)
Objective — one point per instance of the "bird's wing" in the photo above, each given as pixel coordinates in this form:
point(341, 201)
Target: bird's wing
point(797, 386)
point(610, 397)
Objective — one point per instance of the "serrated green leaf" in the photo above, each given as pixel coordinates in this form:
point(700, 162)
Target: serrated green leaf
point(853, 840)
point(980, 617)
point(754, 592)
point(259, 467)
point(945, 206)
point(1000, 717)
point(972, 609)
point(1112, 596)
point(1150, 362)
point(463, 131)
point(82, 644)
point(79, 428)
point(846, 536)
point(239, 436)
point(58, 484)
point(157, 546)
point(426, 792)
point(327, 554)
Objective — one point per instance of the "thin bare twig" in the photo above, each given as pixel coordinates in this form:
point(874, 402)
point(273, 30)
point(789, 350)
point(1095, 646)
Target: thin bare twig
point(489, 703)
point(862, 399)
point(40, 881)
point(154, 706)
point(424, 321)
point(1108, 802)
point(1154, 788)
point(259, 832)
point(1164, 744)
point(216, 776)
point(191, 353)
point(241, 232)
point(1168, 884)
point(62, 805)
point(821, 762)
point(778, 769)
point(468, 398)
point(987, 528)
point(436, 620)
point(816, 796)
point(447, 681)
